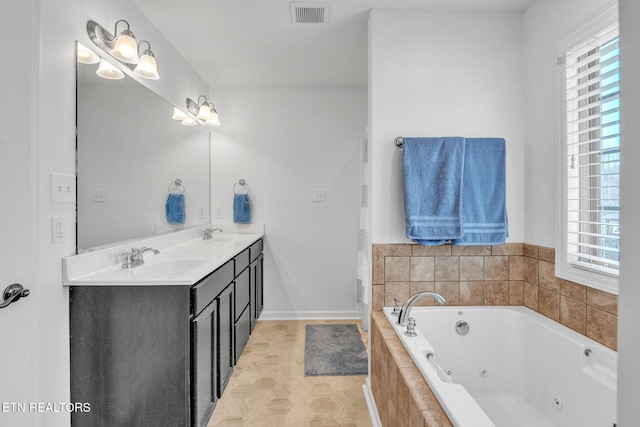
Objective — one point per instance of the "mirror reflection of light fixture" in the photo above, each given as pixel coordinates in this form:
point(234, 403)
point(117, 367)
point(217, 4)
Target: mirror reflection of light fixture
point(147, 66)
point(189, 122)
point(125, 49)
point(86, 55)
point(107, 70)
point(204, 111)
point(178, 114)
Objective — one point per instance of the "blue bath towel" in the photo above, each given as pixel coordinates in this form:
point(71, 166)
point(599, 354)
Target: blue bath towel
point(175, 209)
point(432, 178)
point(241, 208)
point(484, 210)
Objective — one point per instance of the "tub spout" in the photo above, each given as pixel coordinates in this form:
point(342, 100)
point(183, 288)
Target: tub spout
point(406, 308)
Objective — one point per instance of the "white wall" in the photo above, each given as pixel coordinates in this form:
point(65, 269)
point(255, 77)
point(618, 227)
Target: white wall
point(545, 22)
point(61, 23)
point(442, 74)
point(629, 297)
point(285, 142)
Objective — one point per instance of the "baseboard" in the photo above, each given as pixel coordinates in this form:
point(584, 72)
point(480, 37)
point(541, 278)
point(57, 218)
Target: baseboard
point(310, 315)
point(371, 404)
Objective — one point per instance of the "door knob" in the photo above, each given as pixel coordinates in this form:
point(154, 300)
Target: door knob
point(13, 293)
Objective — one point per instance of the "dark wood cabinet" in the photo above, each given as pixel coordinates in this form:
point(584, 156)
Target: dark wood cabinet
point(161, 355)
point(226, 326)
point(204, 366)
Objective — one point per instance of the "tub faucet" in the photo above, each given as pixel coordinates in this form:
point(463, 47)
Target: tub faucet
point(134, 258)
point(406, 308)
point(208, 233)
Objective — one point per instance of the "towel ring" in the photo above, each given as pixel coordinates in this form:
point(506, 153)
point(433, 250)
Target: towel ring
point(244, 187)
point(176, 186)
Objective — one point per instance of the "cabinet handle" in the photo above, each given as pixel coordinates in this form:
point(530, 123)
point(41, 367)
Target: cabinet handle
point(13, 293)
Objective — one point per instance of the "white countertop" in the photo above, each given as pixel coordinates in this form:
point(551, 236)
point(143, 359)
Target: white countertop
point(178, 263)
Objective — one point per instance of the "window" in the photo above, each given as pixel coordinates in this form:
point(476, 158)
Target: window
point(590, 225)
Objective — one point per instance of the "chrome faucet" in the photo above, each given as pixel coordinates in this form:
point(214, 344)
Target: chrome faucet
point(208, 233)
point(133, 258)
point(406, 308)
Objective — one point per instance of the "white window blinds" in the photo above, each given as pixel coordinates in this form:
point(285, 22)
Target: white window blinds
point(591, 229)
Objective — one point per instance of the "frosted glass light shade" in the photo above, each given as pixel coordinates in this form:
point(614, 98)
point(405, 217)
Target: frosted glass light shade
point(178, 115)
point(126, 48)
point(189, 122)
point(147, 67)
point(204, 112)
point(106, 70)
point(86, 56)
point(214, 120)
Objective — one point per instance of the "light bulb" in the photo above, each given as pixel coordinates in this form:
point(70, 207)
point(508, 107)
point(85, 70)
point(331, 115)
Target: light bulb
point(107, 70)
point(204, 112)
point(178, 114)
point(86, 56)
point(126, 48)
point(147, 67)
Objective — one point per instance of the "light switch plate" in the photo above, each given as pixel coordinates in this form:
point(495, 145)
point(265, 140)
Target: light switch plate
point(63, 188)
point(319, 195)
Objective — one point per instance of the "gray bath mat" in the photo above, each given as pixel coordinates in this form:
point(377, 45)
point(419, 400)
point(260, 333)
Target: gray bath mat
point(335, 349)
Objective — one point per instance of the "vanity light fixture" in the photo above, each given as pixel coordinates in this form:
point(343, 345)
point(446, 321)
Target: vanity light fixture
point(107, 70)
point(189, 122)
point(147, 66)
point(125, 49)
point(204, 111)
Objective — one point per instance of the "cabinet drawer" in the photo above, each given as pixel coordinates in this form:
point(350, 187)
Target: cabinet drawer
point(208, 288)
point(255, 250)
point(242, 261)
point(243, 292)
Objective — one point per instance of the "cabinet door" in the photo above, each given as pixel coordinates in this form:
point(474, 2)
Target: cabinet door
point(256, 290)
point(225, 337)
point(203, 369)
point(243, 292)
point(242, 331)
point(259, 286)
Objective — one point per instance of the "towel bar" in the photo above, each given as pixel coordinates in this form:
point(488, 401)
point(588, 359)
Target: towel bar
point(242, 183)
point(176, 186)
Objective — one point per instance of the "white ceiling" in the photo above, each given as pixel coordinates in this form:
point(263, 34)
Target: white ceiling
point(255, 43)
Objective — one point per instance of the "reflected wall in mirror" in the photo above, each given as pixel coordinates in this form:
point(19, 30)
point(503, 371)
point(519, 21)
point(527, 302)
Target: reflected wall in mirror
point(129, 151)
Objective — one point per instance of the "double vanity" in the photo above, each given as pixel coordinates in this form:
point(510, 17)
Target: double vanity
point(156, 344)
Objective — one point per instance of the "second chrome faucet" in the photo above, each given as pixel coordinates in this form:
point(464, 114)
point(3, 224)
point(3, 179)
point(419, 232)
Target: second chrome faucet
point(406, 307)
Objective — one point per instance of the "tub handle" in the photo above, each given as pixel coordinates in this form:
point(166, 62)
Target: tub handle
point(441, 373)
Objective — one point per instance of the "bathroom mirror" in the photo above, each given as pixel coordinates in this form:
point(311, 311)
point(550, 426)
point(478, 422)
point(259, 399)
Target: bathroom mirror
point(129, 154)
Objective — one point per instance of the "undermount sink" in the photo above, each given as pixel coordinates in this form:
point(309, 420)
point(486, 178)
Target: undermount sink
point(167, 267)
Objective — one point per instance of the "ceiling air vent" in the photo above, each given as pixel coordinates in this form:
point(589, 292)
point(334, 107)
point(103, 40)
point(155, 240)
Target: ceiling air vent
point(309, 12)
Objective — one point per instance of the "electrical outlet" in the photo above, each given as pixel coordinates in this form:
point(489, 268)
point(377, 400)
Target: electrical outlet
point(57, 229)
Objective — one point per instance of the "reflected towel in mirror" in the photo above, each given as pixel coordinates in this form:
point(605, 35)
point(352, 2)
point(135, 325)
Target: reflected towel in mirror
point(175, 209)
point(241, 209)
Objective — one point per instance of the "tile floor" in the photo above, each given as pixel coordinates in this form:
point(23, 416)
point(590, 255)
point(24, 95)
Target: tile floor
point(268, 387)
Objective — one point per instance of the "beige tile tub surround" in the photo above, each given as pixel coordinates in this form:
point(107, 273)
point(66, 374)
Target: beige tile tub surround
point(402, 396)
point(509, 274)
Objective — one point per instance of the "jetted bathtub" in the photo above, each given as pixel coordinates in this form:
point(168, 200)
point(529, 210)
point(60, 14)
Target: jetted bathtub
point(510, 366)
